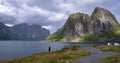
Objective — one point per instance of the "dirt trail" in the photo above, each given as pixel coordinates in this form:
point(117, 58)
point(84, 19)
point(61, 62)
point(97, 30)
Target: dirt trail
point(96, 55)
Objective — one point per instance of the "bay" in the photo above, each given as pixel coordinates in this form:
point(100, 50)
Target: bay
point(17, 49)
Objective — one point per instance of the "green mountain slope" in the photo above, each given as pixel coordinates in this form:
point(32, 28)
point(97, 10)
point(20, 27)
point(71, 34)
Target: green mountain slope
point(100, 26)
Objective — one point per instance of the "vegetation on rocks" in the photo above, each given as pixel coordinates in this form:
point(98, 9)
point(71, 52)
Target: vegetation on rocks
point(100, 26)
point(89, 37)
point(57, 36)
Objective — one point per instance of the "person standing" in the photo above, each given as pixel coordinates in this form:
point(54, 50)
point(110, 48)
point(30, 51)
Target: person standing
point(49, 49)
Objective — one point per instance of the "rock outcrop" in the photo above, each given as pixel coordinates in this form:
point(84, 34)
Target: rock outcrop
point(76, 25)
point(82, 26)
point(102, 21)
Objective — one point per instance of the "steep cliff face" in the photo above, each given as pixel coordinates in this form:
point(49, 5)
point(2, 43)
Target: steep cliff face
point(82, 26)
point(102, 21)
point(76, 25)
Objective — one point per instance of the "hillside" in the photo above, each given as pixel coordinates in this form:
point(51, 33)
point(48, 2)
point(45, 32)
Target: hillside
point(23, 32)
point(100, 26)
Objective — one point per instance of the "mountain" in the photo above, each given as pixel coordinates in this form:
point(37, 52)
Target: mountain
point(4, 32)
point(23, 32)
point(29, 32)
point(100, 26)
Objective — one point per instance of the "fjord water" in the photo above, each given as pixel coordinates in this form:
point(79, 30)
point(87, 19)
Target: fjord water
point(17, 49)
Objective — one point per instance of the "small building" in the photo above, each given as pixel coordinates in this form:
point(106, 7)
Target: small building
point(109, 44)
point(114, 42)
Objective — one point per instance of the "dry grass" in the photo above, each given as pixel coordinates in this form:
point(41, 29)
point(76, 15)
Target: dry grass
point(66, 55)
point(110, 48)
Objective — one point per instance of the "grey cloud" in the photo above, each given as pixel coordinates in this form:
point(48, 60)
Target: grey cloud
point(43, 4)
point(7, 19)
point(26, 13)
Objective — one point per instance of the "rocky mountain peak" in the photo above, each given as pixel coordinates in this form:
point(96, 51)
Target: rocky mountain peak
point(103, 15)
point(75, 25)
point(79, 25)
point(21, 25)
point(102, 20)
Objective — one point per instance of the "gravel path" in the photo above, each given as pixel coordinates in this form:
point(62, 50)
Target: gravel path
point(96, 56)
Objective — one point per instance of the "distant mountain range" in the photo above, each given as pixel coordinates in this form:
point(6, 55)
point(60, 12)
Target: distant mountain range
point(23, 32)
point(100, 26)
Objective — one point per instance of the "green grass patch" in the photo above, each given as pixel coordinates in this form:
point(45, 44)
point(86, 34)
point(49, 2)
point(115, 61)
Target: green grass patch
point(112, 59)
point(65, 55)
point(57, 36)
point(110, 48)
point(89, 37)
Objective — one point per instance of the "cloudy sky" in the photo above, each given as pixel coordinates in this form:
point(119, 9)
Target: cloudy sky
point(50, 14)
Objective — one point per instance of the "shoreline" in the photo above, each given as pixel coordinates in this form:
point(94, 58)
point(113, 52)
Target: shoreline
point(64, 55)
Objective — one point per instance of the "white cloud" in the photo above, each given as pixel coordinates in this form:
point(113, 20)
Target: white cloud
point(67, 7)
point(49, 27)
point(8, 9)
point(50, 15)
point(35, 9)
point(90, 1)
point(3, 9)
point(41, 11)
point(57, 16)
point(9, 25)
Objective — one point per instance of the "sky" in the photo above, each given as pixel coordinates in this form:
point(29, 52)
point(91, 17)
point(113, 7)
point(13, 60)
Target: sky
point(50, 14)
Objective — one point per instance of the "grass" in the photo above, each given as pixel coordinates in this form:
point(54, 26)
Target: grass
point(65, 55)
point(112, 59)
point(89, 37)
point(110, 48)
point(57, 36)
point(105, 36)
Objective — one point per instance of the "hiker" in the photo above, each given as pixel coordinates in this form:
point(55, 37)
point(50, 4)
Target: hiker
point(49, 49)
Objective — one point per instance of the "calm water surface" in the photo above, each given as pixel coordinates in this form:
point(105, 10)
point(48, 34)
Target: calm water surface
point(17, 49)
